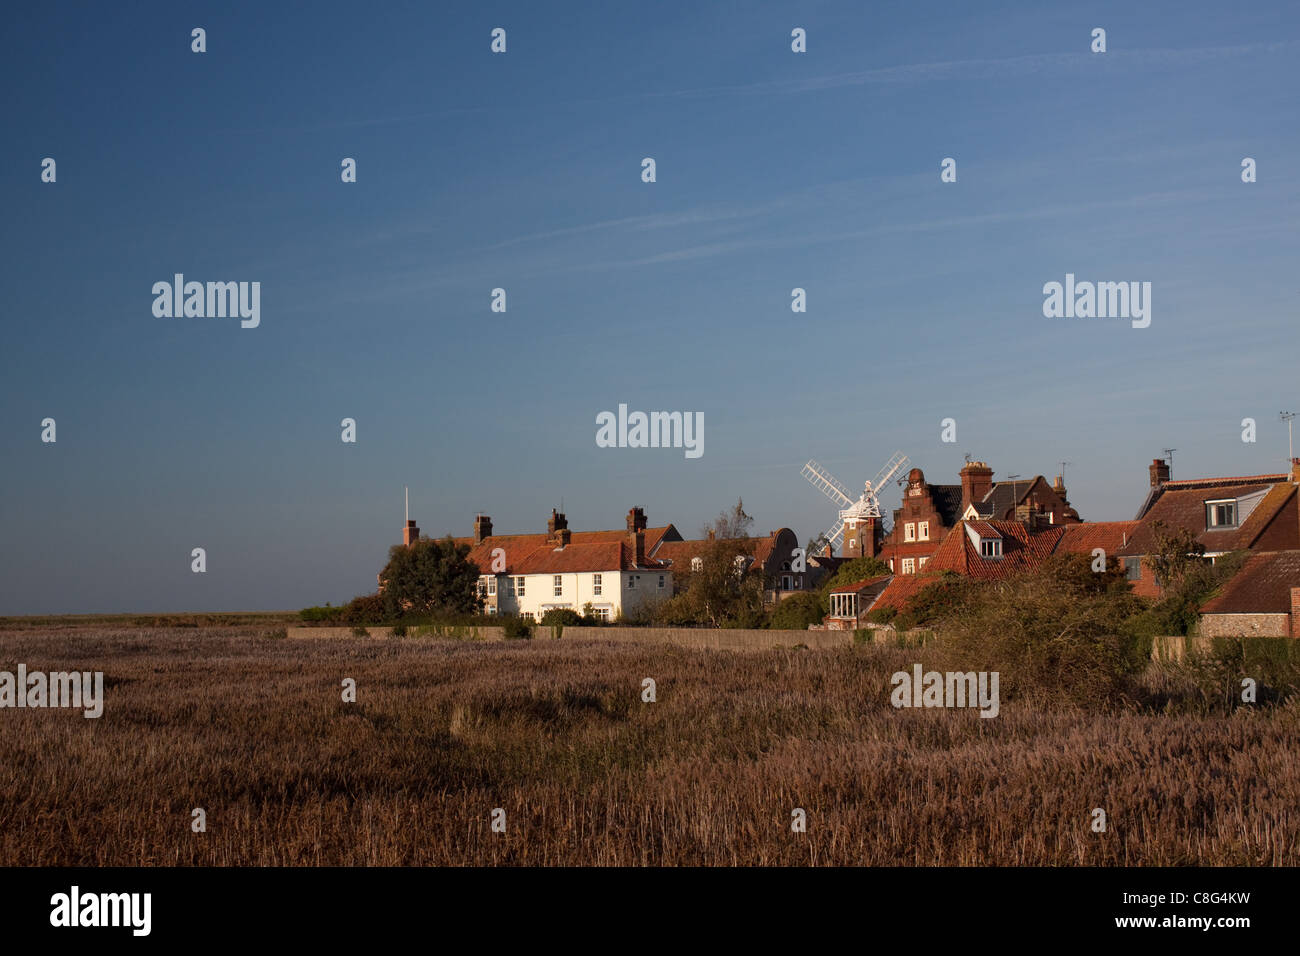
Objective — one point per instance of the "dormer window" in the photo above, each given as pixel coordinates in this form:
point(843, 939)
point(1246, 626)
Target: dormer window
point(1221, 514)
point(990, 547)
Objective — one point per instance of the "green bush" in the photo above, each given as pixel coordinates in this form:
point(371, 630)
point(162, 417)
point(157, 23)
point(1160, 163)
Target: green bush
point(797, 611)
point(320, 614)
point(517, 628)
point(367, 609)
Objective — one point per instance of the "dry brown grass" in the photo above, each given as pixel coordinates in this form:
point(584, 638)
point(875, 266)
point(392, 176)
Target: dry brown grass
point(253, 730)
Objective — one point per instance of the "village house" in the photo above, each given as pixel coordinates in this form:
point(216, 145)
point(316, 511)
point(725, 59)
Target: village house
point(848, 605)
point(929, 512)
point(530, 574)
point(1253, 512)
point(993, 550)
point(1261, 600)
point(773, 554)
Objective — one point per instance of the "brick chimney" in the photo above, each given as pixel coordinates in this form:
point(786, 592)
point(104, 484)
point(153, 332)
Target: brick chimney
point(1159, 472)
point(636, 535)
point(1058, 485)
point(482, 528)
point(557, 529)
point(410, 534)
point(635, 519)
point(976, 482)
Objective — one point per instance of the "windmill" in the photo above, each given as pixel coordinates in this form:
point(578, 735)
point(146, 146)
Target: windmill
point(868, 503)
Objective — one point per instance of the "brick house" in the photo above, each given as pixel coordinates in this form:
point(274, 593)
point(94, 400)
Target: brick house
point(1252, 512)
point(1261, 600)
point(929, 512)
point(983, 550)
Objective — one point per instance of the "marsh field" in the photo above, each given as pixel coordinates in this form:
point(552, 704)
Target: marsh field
point(252, 728)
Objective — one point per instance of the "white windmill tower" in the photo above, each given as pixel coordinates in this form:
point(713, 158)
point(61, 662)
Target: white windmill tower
point(861, 516)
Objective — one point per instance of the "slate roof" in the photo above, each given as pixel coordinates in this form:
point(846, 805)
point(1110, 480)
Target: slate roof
point(1262, 586)
point(947, 501)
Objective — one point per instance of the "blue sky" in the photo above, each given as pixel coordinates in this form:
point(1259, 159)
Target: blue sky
point(522, 171)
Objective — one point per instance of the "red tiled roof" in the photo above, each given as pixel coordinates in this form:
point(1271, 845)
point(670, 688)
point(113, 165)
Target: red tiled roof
point(1262, 586)
point(1184, 507)
point(680, 552)
point(1021, 551)
point(1110, 536)
point(1212, 482)
point(606, 556)
point(519, 546)
point(983, 528)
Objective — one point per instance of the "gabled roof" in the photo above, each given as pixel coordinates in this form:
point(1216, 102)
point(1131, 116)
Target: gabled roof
point(1182, 505)
point(524, 552)
point(1022, 551)
point(1005, 496)
point(680, 552)
point(1262, 586)
point(983, 528)
point(1207, 484)
point(947, 501)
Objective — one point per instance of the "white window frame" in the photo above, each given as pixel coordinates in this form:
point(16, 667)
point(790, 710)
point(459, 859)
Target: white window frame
point(492, 585)
point(923, 531)
point(1214, 503)
point(519, 587)
point(557, 581)
point(595, 585)
point(909, 531)
point(909, 566)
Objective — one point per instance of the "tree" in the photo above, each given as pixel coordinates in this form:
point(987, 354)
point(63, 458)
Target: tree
point(727, 590)
point(817, 545)
point(430, 577)
point(1175, 553)
point(858, 569)
point(733, 523)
